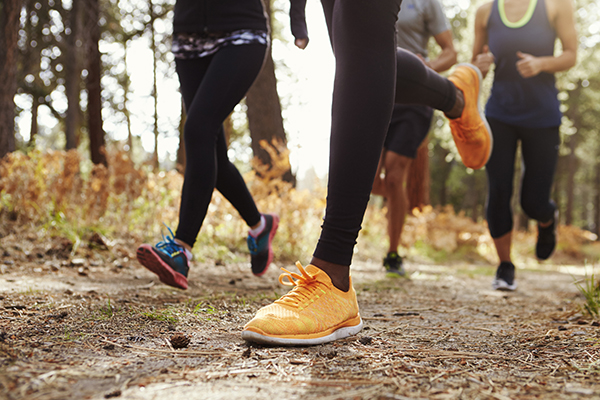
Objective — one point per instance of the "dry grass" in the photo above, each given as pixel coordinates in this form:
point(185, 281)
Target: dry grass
point(65, 196)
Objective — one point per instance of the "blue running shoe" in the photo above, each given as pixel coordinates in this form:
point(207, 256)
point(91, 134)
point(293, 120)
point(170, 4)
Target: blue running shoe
point(261, 252)
point(167, 260)
point(393, 265)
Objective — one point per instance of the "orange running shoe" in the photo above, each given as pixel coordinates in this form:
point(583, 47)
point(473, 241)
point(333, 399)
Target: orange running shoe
point(470, 131)
point(313, 312)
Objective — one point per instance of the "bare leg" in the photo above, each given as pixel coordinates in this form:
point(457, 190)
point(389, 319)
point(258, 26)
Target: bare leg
point(379, 184)
point(503, 245)
point(396, 170)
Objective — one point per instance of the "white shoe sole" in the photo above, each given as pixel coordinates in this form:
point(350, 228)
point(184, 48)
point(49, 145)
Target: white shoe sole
point(500, 284)
point(341, 333)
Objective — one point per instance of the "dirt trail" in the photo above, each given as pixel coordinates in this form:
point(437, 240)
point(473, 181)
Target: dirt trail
point(97, 328)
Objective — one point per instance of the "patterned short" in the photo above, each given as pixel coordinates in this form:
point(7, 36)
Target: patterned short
point(195, 45)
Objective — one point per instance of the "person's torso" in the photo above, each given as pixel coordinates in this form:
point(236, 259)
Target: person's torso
point(418, 21)
point(209, 16)
point(530, 102)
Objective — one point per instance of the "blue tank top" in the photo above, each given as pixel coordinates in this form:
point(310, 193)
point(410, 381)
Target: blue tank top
point(527, 102)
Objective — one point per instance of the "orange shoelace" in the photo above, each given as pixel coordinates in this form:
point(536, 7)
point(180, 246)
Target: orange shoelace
point(305, 287)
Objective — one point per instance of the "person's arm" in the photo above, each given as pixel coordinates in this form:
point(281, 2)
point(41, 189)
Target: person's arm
point(298, 23)
point(482, 58)
point(560, 14)
point(447, 57)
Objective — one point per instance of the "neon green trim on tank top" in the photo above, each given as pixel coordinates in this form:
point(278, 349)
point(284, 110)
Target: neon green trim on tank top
point(523, 21)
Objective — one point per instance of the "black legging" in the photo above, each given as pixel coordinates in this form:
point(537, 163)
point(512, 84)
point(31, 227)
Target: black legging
point(211, 87)
point(370, 75)
point(539, 148)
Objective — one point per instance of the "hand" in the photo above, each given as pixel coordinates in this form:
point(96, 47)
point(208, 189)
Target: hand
point(528, 65)
point(301, 43)
point(484, 60)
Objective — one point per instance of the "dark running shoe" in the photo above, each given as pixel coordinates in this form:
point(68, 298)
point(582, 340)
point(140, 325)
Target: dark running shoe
point(167, 260)
point(546, 242)
point(505, 277)
point(393, 265)
point(261, 252)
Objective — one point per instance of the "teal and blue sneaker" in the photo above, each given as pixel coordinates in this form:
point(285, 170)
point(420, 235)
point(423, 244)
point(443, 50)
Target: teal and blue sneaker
point(167, 260)
point(393, 265)
point(261, 252)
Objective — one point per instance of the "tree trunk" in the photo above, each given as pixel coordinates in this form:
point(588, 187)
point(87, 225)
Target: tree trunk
point(72, 79)
point(417, 184)
point(444, 176)
point(35, 106)
point(9, 30)
point(571, 169)
point(264, 111)
point(597, 198)
point(94, 108)
point(154, 83)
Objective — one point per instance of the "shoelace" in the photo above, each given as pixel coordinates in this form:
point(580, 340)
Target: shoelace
point(168, 244)
point(305, 286)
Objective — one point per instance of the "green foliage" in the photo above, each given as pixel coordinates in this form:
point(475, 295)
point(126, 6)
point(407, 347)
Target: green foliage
point(168, 315)
point(590, 289)
point(109, 310)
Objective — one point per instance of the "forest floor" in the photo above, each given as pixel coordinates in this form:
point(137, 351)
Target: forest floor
point(99, 326)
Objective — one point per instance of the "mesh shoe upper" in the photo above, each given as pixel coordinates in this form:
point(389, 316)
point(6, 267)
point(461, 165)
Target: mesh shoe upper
point(471, 132)
point(393, 264)
point(505, 277)
point(261, 252)
point(313, 312)
point(546, 241)
point(167, 260)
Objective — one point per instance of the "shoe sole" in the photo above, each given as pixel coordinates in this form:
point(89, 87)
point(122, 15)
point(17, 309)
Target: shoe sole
point(395, 274)
point(271, 236)
point(152, 261)
point(480, 109)
point(340, 333)
point(503, 286)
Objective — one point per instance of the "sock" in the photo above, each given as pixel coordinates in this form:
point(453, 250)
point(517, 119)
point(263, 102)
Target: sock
point(188, 254)
point(258, 230)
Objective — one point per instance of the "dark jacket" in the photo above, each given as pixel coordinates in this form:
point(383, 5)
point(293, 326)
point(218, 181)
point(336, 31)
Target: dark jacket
point(213, 16)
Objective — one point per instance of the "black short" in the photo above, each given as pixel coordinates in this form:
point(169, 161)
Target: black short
point(408, 128)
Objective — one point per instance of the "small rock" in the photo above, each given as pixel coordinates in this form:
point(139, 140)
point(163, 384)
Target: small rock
point(60, 315)
point(366, 340)
point(332, 354)
point(114, 393)
point(77, 262)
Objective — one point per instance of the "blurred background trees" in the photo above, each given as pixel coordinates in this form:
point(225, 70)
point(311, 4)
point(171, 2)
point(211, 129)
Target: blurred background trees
point(66, 82)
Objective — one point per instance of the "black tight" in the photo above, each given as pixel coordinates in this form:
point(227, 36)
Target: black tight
point(211, 87)
point(539, 148)
point(370, 76)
